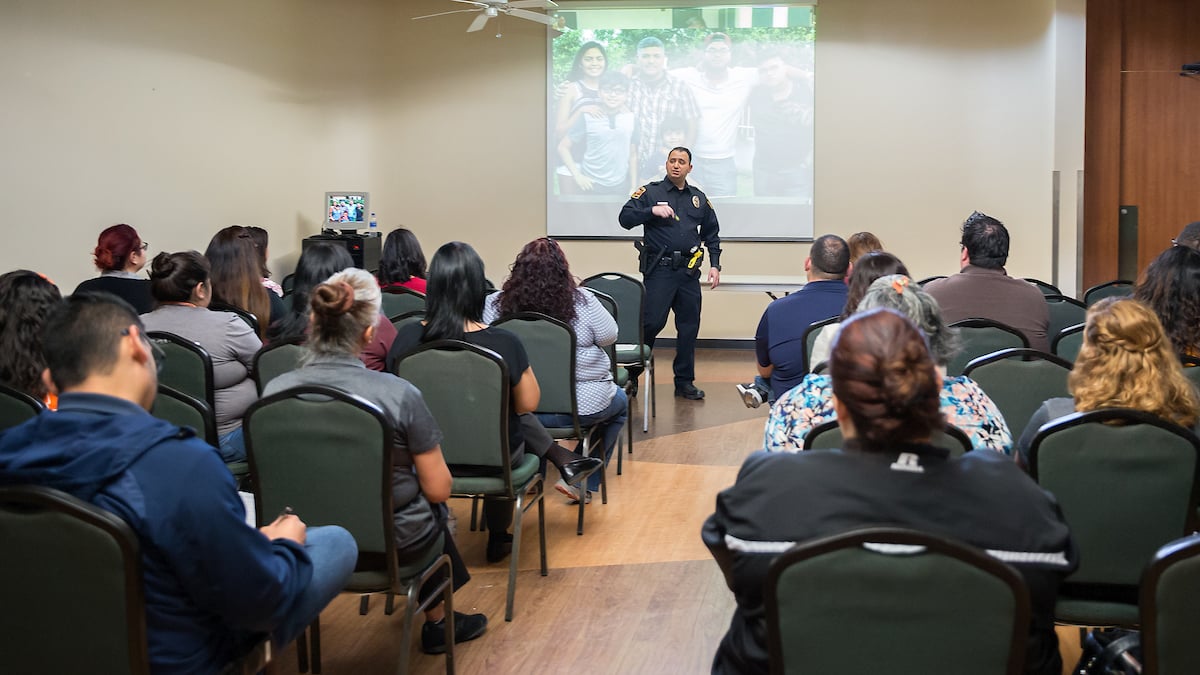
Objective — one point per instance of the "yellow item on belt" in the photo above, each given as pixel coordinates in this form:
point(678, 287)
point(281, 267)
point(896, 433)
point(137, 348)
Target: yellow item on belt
point(695, 259)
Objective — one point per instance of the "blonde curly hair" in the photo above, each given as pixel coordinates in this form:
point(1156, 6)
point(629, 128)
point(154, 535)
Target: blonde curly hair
point(1126, 361)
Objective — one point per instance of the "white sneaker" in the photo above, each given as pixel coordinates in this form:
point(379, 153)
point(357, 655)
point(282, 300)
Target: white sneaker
point(750, 395)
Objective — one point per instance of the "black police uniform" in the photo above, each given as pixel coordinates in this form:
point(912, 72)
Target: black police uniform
point(670, 244)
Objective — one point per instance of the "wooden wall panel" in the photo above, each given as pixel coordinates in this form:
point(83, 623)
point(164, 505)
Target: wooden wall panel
point(1101, 141)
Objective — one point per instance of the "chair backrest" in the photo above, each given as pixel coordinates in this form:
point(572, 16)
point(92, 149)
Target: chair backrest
point(1066, 344)
point(1119, 287)
point(406, 318)
point(276, 359)
point(17, 407)
point(1064, 312)
point(187, 367)
point(868, 601)
point(810, 339)
point(828, 435)
point(328, 455)
point(1018, 380)
point(550, 344)
point(983, 336)
point(1126, 482)
point(288, 284)
point(250, 319)
point(467, 390)
point(610, 306)
point(70, 568)
point(185, 411)
point(1045, 288)
point(929, 279)
point(630, 295)
point(1169, 609)
point(397, 300)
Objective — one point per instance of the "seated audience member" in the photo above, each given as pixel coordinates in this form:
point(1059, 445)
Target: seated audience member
point(983, 290)
point(262, 239)
point(25, 300)
point(1170, 287)
point(887, 387)
point(214, 586)
point(541, 281)
point(317, 263)
point(1125, 362)
point(182, 287)
point(963, 403)
point(868, 267)
point(779, 341)
point(119, 255)
point(402, 262)
point(862, 243)
point(345, 311)
point(237, 277)
point(454, 311)
point(1189, 236)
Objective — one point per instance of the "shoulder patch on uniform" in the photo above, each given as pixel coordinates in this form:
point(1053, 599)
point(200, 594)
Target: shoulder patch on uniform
point(638, 193)
point(709, 202)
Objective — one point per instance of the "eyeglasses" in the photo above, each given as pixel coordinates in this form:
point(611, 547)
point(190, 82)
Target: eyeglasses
point(145, 245)
point(160, 357)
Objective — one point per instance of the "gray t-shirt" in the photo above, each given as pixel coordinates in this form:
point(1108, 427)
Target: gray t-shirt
point(416, 431)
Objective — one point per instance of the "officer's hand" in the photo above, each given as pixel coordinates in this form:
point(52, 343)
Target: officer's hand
point(583, 182)
point(663, 211)
point(714, 277)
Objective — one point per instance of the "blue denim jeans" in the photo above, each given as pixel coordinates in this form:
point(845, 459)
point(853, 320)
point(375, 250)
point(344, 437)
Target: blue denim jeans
point(608, 424)
point(233, 446)
point(333, 553)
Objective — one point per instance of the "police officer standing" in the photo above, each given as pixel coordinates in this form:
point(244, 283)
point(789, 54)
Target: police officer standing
point(678, 217)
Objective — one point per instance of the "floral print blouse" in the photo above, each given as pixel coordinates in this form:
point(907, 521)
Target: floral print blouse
point(810, 404)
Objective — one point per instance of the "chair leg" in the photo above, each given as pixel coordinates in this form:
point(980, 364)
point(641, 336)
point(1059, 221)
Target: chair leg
point(390, 605)
point(620, 452)
point(364, 604)
point(540, 496)
point(302, 651)
point(518, 512)
point(653, 397)
point(582, 503)
point(474, 512)
point(316, 645)
point(604, 483)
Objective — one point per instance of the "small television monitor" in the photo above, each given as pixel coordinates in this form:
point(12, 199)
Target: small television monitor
point(347, 210)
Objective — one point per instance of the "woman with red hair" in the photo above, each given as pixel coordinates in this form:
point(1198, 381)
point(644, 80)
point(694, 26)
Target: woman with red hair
point(119, 255)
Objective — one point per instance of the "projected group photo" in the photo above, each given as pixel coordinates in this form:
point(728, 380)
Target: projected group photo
point(739, 96)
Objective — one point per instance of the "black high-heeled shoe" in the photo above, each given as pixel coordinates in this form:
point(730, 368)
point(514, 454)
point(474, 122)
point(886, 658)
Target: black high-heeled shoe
point(578, 469)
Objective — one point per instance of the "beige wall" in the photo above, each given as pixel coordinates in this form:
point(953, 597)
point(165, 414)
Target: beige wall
point(184, 118)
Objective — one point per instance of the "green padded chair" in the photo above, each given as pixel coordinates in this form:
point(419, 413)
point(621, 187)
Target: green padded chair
point(1067, 343)
point(466, 388)
point(550, 344)
point(620, 373)
point(187, 367)
point(929, 279)
point(328, 455)
point(274, 360)
point(1127, 484)
point(1108, 289)
point(17, 407)
point(828, 435)
point(810, 339)
point(183, 410)
point(406, 318)
point(868, 601)
point(1169, 609)
point(632, 350)
point(980, 337)
point(1064, 313)
point(397, 300)
point(1047, 289)
point(1018, 380)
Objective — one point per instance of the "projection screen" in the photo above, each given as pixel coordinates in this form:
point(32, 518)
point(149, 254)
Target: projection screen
point(734, 84)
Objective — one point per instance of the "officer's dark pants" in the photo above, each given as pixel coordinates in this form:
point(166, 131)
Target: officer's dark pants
point(678, 290)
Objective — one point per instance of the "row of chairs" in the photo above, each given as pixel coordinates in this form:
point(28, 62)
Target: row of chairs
point(1118, 288)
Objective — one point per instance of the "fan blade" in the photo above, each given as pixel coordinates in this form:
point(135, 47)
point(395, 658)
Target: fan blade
point(456, 11)
point(480, 5)
point(531, 16)
point(478, 23)
point(541, 4)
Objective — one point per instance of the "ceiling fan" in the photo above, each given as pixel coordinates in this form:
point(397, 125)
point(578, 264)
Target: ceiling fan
point(489, 9)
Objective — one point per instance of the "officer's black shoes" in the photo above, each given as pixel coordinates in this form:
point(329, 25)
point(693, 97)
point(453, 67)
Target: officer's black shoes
point(690, 392)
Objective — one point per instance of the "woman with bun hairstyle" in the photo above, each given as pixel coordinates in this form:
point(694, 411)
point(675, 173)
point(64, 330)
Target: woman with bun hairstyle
point(345, 310)
point(237, 277)
point(1126, 361)
point(963, 402)
point(119, 255)
point(182, 286)
point(887, 389)
point(402, 262)
point(25, 300)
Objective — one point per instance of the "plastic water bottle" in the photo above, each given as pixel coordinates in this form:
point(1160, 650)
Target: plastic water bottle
point(373, 228)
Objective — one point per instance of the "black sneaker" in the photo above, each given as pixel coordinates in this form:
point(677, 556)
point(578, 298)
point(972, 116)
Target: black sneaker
point(690, 392)
point(466, 627)
point(750, 395)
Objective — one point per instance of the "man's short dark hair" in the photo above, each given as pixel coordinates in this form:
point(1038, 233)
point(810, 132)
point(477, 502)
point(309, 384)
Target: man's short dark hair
point(650, 42)
point(986, 241)
point(81, 336)
point(680, 148)
point(1189, 236)
point(830, 255)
